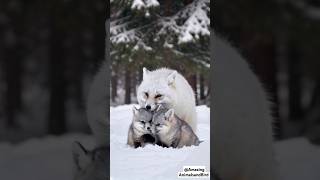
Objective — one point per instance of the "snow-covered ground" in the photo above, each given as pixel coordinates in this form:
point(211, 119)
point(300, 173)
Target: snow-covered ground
point(50, 158)
point(298, 159)
point(154, 162)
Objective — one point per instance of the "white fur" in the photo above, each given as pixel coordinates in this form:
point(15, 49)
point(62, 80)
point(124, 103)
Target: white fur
point(242, 122)
point(176, 91)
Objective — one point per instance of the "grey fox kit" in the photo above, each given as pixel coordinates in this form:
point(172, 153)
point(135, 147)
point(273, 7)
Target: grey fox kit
point(171, 131)
point(140, 131)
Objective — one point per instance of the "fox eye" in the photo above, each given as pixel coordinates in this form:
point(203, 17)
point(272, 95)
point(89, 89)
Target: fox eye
point(146, 94)
point(142, 122)
point(158, 96)
point(158, 124)
point(150, 121)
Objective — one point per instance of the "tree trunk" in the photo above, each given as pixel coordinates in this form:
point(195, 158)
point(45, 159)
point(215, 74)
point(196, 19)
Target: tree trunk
point(192, 79)
point(202, 87)
point(57, 124)
point(13, 72)
point(114, 84)
point(78, 84)
point(57, 82)
point(140, 75)
point(295, 92)
point(315, 100)
point(168, 5)
point(127, 99)
point(13, 65)
point(135, 83)
point(99, 34)
point(78, 66)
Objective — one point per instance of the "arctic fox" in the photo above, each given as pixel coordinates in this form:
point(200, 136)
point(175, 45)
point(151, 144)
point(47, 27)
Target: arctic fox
point(242, 122)
point(171, 131)
point(140, 130)
point(170, 89)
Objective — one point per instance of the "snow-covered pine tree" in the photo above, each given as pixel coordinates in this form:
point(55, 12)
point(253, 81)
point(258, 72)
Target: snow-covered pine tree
point(180, 28)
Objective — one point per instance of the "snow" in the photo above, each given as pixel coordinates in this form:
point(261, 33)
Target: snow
point(168, 45)
point(137, 4)
point(154, 162)
point(197, 24)
point(140, 4)
point(124, 37)
point(152, 3)
point(188, 25)
point(50, 157)
point(298, 159)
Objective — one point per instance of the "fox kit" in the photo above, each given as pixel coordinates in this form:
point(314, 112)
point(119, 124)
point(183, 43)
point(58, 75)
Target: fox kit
point(172, 131)
point(140, 130)
point(171, 90)
point(242, 122)
point(89, 165)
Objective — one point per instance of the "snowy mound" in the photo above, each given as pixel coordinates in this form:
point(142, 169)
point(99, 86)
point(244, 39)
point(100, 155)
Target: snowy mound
point(48, 158)
point(298, 159)
point(154, 162)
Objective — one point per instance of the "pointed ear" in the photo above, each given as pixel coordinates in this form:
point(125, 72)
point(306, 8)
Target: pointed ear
point(145, 73)
point(80, 156)
point(169, 114)
point(171, 78)
point(135, 110)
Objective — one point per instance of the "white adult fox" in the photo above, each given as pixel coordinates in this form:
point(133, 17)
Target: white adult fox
point(242, 122)
point(170, 89)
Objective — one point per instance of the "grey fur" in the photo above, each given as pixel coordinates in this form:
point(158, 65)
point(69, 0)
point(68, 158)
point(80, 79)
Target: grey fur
point(140, 127)
point(171, 131)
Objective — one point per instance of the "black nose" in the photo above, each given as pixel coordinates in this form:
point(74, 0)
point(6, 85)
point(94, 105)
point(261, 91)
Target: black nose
point(148, 128)
point(148, 107)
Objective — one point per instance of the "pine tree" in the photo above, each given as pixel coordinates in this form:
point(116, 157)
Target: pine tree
point(179, 29)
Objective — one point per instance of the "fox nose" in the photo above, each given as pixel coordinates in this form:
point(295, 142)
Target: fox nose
point(148, 107)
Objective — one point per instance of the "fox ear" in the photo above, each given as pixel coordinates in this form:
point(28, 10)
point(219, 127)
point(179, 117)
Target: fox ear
point(80, 156)
point(171, 78)
point(135, 110)
point(169, 114)
point(145, 72)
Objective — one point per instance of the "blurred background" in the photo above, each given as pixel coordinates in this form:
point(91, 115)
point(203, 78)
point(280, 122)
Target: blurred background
point(281, 41)
point(49, 51)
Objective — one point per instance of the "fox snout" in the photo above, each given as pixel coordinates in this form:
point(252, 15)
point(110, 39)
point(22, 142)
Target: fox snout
point(150, 107)
point(149, 128)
